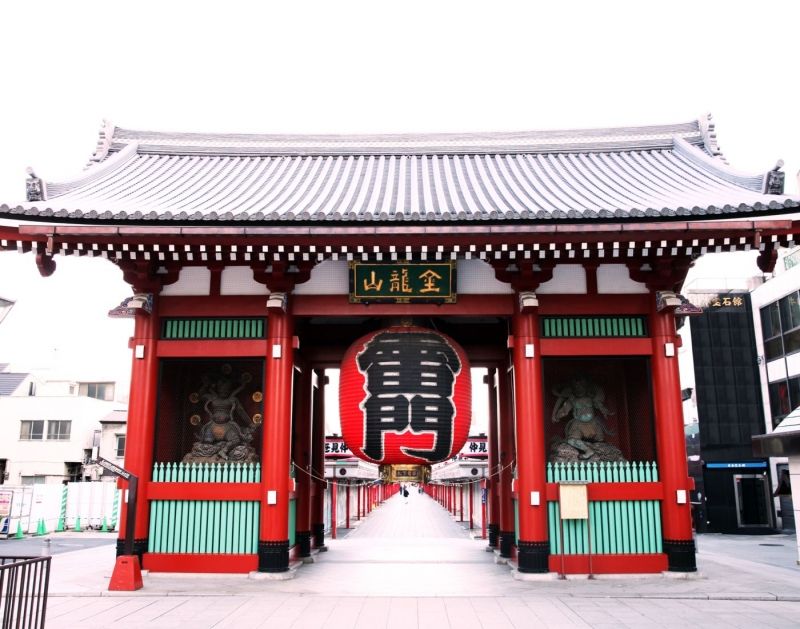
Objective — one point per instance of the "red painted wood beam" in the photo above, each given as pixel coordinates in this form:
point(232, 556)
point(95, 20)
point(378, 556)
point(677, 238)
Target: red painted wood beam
point(610, 564)
point(615, 491)
point(222, 348)
point(597, 347)
point(203, 491)
point(186, 562)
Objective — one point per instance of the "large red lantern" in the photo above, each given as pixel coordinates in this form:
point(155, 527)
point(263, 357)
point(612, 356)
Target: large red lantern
point(405, 396)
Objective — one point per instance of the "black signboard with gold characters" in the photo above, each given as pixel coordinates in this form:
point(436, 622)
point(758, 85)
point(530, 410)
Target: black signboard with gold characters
point(402, 282)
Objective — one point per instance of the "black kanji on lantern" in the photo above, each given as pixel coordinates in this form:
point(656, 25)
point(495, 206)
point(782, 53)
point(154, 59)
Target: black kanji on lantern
point(409, 383)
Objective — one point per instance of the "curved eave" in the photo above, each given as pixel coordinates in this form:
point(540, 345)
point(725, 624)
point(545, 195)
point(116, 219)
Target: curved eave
point(33, 213)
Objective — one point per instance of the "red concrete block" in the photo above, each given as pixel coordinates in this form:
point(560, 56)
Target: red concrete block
point(127, 575)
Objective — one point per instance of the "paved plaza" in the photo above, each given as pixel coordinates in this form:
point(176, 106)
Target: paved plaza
point(412, 565)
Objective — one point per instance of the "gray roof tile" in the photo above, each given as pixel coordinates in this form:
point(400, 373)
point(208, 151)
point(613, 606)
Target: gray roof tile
point(596, 174)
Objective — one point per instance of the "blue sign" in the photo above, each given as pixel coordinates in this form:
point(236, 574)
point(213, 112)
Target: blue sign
point(747, 465)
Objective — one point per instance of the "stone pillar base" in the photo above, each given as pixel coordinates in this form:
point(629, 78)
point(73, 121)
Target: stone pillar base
point(318, 537)
point(303, 541)
point(494, 532)
point(507, 539)
point(273, 556)
point(680, 555)
point(532, 557)
point(139, 548)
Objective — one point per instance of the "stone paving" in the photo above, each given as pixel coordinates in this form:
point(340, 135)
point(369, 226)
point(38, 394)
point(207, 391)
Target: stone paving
point(411, 565)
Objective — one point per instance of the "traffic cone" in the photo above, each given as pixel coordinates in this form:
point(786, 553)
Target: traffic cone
point(104, 528)
point(60, 525)
point(78, 528)
point(19, 534)
point(40, 529)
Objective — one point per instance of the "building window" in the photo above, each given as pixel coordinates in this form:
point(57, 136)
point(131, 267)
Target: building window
point(784, 395)
point(780, 326)
point(33, 480)
point(59, 430)
point(97, 390)
point(73, 471)
point(31, 429)
point(120, 446)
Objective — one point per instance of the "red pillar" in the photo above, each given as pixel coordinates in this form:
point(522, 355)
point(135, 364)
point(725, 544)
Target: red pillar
point(676, 515)
point(333, 509)
point(461, 503)
point(483, 511)
point(302, 460)
point(141, 425)
point(493, 480)
point(358, 502)
point(506, 460)
point(534, 549)
point(471, 491)
point(273, 544)
point(347, 508)
point(318, 461)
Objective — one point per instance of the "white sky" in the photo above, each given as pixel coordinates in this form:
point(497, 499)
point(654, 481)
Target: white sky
point(346, 67)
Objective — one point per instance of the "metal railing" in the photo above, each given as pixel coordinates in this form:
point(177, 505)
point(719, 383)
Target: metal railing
point(23, 591)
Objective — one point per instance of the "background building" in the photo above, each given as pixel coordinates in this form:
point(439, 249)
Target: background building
point(51, 427)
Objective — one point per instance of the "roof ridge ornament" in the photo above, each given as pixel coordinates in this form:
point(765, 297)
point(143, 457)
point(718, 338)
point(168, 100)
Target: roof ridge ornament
point(104, 140)
point(775, 179)
point(35, 189)
point(709, 130)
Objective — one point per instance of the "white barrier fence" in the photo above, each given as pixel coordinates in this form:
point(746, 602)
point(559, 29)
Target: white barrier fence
point(50, 506)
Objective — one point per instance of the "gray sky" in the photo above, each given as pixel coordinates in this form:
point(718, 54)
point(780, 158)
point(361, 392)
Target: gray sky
point(343, 67)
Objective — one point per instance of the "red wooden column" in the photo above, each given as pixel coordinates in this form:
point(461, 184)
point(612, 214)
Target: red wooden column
point(302, 460)
point(318, 461)
point(141, 423)
point(492, 481)
point(534, 549)
point(347, 508)
point(676, 515)
point(506, 460)
point(273, 539)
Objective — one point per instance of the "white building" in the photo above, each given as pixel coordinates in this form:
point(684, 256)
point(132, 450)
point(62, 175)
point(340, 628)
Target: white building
point(776, 314)
point(49, 427)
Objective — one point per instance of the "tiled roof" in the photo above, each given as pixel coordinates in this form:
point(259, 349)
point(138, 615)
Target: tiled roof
point(614, 174)
point(10, 381)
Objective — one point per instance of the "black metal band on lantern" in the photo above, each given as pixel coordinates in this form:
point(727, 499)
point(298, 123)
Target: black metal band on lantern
point(273, 556)
point(507, 539)
point(681, 555)
point(303, 541)
point(533, 557)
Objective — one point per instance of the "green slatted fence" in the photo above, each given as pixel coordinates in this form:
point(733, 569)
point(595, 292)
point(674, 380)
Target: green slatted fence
point(594, 327)
point(617, 526)
point(213, 328)
point(204, 526)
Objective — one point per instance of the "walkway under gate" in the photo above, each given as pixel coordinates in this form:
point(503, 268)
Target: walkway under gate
point(412, 548)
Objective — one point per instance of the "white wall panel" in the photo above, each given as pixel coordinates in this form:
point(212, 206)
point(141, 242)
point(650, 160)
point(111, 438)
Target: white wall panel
point(476, 277)
point(193, 280)
point(238, 280)
point(569, 279)
point(327, 278)
point(614, 279)
point(776, 370)
point(793, 364)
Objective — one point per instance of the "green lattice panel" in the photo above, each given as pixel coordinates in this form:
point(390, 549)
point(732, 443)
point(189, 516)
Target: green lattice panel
point(594, 327)
point(213, 328)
